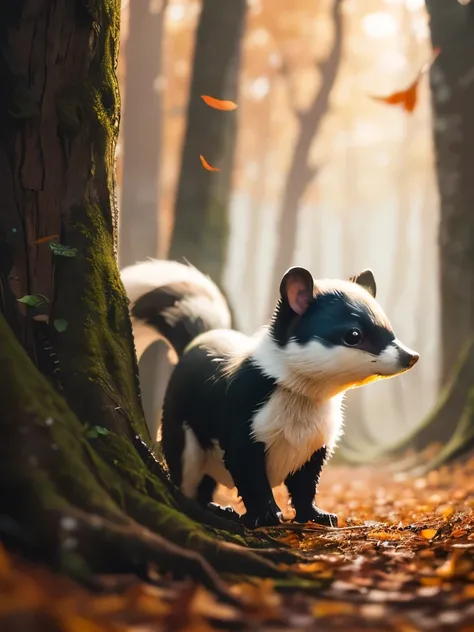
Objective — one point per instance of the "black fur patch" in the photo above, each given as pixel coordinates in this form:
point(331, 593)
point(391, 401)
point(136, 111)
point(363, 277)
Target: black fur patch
point(329, 317)
point(218, 405)
point(151, 308)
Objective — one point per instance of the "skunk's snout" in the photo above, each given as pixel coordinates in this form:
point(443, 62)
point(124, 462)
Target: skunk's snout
point(406, 356)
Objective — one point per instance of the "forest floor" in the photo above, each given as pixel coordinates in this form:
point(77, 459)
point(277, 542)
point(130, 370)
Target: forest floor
point(404, 561)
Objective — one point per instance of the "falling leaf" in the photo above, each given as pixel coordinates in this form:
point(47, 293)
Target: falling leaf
point(406, 98)
point(62, 251)
point(32, 300)
point(206, 165)
point(217, 104)
point(429, 534)
point(44, 240)
point(60, 324)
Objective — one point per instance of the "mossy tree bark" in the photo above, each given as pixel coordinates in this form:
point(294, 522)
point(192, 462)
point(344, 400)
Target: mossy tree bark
point(79, 485)
point(201, 210)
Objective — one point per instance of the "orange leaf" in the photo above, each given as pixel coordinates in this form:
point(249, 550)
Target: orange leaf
point(406, 98)
point(332, 608)
point(429, 534)
point(44, 240)
point(217, 104)
point(446, 511)
point(206, 165)
point(314, 567)
point(384, 536)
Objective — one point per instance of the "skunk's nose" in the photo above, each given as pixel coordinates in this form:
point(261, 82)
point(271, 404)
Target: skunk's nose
point(406, 356)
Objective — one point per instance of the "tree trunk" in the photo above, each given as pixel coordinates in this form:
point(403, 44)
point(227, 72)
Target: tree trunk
point(201, 209)
point(80, 489)
point(301, 173)
point(452, 85)
point(142, 137)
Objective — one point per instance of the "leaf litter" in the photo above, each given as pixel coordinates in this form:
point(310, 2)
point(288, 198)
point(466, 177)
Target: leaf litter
point(408, 566)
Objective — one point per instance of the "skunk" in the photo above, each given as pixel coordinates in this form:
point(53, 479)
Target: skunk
point(256, 412)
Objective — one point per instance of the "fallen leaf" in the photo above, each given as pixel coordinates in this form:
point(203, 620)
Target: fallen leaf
point(315, 567)
point(44, 240)
point(430, 581)
point(331, 608)
point(384, 536)
point(458, 533)
point(217, 104)
point(206, 165)
point(429, 534)
point(446, 511)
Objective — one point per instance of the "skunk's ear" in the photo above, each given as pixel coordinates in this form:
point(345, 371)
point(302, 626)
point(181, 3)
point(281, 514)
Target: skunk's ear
point(366, 280)
point(296, 288)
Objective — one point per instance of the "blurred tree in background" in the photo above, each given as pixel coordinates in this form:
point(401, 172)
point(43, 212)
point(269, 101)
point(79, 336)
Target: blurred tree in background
point(201, 228)
point(142, 141)
point(301, 172)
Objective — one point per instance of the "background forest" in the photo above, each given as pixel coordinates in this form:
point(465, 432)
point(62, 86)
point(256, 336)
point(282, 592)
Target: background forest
point(322, 173)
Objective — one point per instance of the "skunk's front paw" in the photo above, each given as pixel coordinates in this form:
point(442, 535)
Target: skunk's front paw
point(227, 513)
point(317, 515)
point(270, 518)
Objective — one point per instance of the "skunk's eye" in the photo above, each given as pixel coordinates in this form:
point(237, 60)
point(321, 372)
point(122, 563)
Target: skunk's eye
point(352, 337)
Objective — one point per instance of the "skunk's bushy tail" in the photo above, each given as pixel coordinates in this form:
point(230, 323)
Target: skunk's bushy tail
point(173, 302)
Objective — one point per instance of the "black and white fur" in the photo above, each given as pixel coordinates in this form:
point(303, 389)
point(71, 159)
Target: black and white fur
point(256, 412)
point(173, 302)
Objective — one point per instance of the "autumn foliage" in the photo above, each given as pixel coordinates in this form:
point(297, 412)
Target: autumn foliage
point(402, 561)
